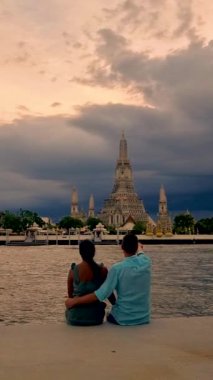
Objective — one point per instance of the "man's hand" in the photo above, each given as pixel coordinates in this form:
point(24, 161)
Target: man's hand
point(88, 298)
point(70, 302)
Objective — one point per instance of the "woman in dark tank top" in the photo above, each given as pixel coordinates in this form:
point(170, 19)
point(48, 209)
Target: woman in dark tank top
point(85, 278)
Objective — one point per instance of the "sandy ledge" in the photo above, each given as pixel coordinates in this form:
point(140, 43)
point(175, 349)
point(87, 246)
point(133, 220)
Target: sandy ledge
point(167, 349)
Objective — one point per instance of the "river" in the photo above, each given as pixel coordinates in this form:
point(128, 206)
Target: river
point(33, 280)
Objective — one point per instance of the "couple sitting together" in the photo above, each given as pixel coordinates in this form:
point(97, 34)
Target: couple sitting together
point(126, 285)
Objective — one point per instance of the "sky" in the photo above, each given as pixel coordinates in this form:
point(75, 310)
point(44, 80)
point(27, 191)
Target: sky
point(74, 75)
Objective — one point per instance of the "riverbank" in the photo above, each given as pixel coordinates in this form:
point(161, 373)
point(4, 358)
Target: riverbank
point(167, 349)
point(107, 239)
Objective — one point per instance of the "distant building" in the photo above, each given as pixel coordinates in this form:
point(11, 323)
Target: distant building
point(47, 221)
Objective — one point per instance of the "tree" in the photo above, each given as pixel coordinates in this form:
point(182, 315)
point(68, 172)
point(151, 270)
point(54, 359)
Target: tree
point(1, 218)
point(68, 222)
point(20, 221)
point(204, 226)
point(139, 227)
point(28, 218)
point(11, 221)
point(112, 230)
point(184, 224)
point(92, 222)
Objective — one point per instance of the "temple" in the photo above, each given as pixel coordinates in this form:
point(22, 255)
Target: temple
point(124, 208)
point(123, 202)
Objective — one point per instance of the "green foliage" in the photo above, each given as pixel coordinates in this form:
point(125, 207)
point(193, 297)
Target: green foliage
point(204, 226)
point(184, 224)
point(12, 221)
point(69, 222)
point(28, 218)
point(112, 230)
point(19, 222)
point(139, 227)
point(92, 223)
point(1, 218)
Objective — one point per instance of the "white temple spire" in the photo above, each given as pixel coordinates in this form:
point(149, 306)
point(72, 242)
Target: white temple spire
point(123, 148)
point(74, 202)
point(91, 212)
point(162, 201)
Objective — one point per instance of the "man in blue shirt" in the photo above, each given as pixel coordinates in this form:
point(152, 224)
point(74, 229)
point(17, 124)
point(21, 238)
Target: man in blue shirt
point(131, 280)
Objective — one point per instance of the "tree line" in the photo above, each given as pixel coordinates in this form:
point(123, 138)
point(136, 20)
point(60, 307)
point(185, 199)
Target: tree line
point(23, 219)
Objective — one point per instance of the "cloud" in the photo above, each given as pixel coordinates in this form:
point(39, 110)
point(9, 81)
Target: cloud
point(44, 157)
point(56, 153)
point(23, 108)
point(21, 44)
point(77, 45)
point(147, 21)
point(128, 11)
point(156, 135)
point(56, 104)
point(174, 81)
point(21, 58)
point(149, 51)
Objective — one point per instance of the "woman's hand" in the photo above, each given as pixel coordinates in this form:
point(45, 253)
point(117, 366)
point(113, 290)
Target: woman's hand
point(70, 302)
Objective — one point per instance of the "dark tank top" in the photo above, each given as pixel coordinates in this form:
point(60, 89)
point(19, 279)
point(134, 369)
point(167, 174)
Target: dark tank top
point(88, 314)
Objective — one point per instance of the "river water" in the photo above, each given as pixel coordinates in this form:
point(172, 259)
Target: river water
point(33, 280)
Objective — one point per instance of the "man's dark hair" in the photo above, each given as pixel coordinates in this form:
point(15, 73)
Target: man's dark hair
point(130, 244)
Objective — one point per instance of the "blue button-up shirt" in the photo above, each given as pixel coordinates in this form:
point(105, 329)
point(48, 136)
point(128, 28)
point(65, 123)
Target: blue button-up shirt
point(131, 279)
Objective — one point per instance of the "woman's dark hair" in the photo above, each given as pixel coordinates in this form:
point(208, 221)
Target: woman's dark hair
point(87, 252)
point(130, 244)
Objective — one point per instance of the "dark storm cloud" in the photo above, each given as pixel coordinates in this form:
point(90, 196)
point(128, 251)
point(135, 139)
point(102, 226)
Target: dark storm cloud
point(181, 83)
point(42, 158)
point(47, 148)
point(158, 78)
point(154, 134)
point(158, 154)
point(172, 141)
